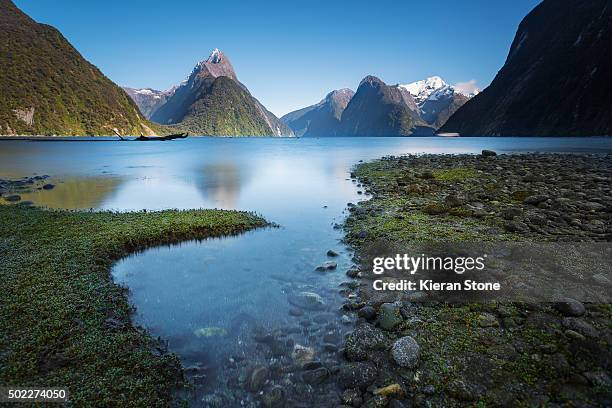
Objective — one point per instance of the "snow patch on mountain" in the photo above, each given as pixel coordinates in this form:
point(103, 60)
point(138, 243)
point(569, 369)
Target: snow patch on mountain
point(215, 56)
point(421, 90)
point(435, 88)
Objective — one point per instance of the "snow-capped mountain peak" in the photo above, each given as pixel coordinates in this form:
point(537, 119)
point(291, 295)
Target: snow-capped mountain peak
point(215, 56)
point(421, 90)
point(146, 91)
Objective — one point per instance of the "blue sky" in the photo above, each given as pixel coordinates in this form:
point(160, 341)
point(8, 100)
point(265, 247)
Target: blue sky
point(289, 53)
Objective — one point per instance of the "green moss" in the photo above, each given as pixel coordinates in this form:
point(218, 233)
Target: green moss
point(64, 323)
point(435, 209)
point(520, 195)
point(455, 174)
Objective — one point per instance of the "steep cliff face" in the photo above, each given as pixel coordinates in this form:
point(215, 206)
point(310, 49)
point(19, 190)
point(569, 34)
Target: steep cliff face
point(555, 81)
point(48, 88)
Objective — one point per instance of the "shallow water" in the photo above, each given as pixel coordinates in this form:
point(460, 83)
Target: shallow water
point(207, 297)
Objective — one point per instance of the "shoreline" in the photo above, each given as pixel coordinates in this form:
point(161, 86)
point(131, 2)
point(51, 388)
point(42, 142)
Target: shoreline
point(415, 349)
point(74, 323)
point(454, 343)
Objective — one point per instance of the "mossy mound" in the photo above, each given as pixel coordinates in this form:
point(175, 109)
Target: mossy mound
point(64, 323)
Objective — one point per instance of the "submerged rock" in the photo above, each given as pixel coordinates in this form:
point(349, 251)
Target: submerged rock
point(316, 376)
point(327, 266)
point(302, 354)
point(13, 198)
point(274, 398)
point(210, 332)
point(307, 300)
point(257, 378)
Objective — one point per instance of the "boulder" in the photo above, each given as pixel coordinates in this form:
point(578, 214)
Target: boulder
point(405, 352)
point(535, 199)
point(580, 326)
point(389, 316)
point(356, 375)
point(361, 341)
point(570, 307)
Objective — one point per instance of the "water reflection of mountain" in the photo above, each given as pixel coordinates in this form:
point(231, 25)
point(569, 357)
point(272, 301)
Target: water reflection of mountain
point(221, 184)
point(75, 193)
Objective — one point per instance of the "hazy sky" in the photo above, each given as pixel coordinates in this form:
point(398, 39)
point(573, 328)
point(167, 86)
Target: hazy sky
point(289, 53)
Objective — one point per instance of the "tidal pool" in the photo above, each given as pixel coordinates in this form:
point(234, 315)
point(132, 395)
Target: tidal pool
point(230, 303)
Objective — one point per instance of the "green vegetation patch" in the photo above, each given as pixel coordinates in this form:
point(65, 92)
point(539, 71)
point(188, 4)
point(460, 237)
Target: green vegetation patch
point(455, 174)
point(492, 353)
point(64, 323)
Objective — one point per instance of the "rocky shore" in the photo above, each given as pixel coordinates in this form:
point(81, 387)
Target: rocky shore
point(407, 351)
point(10, 189)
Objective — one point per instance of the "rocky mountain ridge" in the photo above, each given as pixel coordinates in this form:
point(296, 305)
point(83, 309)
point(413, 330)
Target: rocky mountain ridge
point(207, 103)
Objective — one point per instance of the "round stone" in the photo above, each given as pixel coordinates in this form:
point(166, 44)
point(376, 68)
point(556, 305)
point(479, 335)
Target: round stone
point(405, 352)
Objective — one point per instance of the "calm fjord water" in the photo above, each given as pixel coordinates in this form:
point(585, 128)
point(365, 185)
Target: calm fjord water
point(205, 297)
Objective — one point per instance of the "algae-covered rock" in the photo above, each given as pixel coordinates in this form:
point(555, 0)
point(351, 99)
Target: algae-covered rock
point(389, 316)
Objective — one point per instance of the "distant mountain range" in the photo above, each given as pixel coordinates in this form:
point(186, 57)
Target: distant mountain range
point(210, 101)
point(378, 109)
point(48, 88)
point(149, 100)
point(556, 78)
point(554, 82)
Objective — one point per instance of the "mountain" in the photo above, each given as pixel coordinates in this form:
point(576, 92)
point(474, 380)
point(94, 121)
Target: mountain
point(48, 88)
point(556, 78)
point(378, 109)
point(421, 90)
point(435, 99)
point(322, 119)
point(211, 101)
point(148, 100)
point(414, 108)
